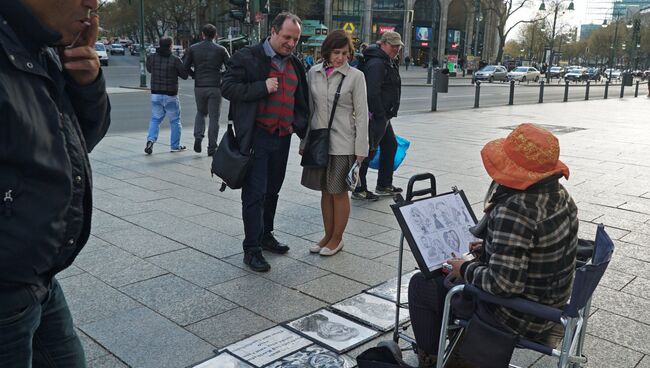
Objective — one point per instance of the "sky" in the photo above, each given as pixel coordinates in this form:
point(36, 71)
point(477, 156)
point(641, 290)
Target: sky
point(586, 12)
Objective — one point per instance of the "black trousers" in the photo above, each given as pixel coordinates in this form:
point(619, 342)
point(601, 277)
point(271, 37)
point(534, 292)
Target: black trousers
point(385, 139)
point(426, 305)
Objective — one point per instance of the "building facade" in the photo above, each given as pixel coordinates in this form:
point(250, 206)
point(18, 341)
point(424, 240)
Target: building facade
point(459, 28)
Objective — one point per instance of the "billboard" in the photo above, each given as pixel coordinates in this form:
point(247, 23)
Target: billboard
point(423, 33)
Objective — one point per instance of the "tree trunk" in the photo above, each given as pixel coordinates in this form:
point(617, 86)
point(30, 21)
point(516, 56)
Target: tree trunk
point(502, 43)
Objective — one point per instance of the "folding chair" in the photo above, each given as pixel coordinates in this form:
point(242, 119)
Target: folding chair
point(573, 316)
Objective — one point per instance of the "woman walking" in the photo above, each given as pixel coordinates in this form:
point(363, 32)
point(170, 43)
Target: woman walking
point(348, 137)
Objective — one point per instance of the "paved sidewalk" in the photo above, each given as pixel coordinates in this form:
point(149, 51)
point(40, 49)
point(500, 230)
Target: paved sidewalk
point(162, 284)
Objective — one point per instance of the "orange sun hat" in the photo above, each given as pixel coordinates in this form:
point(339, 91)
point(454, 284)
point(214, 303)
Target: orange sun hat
point(529, 154)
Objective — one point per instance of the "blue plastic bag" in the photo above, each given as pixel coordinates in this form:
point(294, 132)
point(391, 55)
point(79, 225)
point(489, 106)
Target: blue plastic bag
point(402, 146)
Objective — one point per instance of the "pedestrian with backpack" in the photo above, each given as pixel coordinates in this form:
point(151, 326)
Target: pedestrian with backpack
point(384, 91)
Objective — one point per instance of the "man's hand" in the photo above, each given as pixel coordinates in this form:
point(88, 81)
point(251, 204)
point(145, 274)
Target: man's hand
point(80, 59)
point(455, 263)
point(360, 159)
point(272, 85)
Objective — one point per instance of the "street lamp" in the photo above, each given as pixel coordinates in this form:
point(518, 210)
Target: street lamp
point(542, 7)
point(612, 54)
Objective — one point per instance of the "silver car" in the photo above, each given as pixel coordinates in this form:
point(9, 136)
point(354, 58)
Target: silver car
point(491, 73)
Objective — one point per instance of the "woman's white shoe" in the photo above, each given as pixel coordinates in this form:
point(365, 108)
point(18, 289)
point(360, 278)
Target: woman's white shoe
point(315, 248)
point(330, 252)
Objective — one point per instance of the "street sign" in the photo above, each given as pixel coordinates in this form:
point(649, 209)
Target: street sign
point(348, 27)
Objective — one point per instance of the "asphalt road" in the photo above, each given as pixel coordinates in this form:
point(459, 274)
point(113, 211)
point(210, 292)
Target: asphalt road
point(131, 108)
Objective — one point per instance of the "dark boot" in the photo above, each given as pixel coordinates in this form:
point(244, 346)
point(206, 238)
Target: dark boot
point(255, 260)
point(426, 360)
point(271, 244)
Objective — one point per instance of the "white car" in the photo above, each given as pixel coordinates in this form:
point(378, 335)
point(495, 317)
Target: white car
point(616, 73)
point(100, 49)
point(524, 73)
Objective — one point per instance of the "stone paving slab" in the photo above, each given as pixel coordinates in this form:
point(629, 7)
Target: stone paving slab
point(266, 298)
point(177, 299)
point(165, 210)
point(144, 339)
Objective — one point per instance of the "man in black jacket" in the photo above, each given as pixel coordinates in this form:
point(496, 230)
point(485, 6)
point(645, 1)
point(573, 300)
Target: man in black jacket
point(268, 94)
point(53, 110)
point(165, 70)
point(203, 62)
point(384, 91)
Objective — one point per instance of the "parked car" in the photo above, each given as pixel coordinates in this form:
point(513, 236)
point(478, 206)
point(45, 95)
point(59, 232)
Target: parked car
point(524, 73)
point(556, 72)
point(117, 49)
point(100, 49)
point(594, 74)
point(491, 73)
point(576, 75)
point(615, 73)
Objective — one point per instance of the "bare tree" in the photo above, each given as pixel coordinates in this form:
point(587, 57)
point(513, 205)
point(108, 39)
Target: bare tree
point(503, 10)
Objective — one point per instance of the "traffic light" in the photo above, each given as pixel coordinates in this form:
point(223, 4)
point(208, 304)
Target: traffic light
point(241, 12)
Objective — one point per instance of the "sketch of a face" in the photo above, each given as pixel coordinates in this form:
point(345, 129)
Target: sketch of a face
point(325, 360)
point(421, 221)
point(452, 239)
point(444, 212)
point(369, 308)
point(326, 329)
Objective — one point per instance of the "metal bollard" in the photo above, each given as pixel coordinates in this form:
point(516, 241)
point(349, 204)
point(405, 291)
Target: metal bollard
point(511, 98)
point(541, 92)
point(434, 91)
point(636, 89)
point(477, 93)
point(606, 89)
point(622, 88)
point(566, 91)
point(587, 91)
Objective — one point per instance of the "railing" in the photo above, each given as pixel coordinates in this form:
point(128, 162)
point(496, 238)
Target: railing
point(440, 84)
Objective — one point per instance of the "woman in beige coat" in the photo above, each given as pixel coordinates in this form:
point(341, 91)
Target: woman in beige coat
point(348, 136)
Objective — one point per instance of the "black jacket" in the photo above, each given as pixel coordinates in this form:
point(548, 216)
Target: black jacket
point(165, 70)
point(383, 83)
point(203, 62)
point(47, 126)
point(244, 84)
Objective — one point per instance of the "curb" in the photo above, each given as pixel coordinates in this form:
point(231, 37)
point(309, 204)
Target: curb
point(140, 88)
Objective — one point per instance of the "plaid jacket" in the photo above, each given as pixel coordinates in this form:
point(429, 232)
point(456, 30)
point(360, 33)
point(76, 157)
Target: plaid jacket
point(165, 70)
point(531, 238)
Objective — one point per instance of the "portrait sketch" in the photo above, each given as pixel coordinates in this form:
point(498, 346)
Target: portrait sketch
point(331, 330)
point(388, 289)
point(372, 310)
point(436, 228)
point(268, 346)
point(223, 360)
point(314, 357)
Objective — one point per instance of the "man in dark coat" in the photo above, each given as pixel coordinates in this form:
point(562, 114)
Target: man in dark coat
point(268, 94)
point(53, 110)
point(204, 62)
point(384, 90)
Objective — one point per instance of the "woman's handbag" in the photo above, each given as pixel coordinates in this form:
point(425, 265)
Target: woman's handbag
point(317, 149)
point(229, 164)
point(402, 146)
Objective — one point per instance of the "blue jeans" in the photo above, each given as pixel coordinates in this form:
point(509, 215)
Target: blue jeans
point(162, 105)
point(264, 180)
point(38, 332)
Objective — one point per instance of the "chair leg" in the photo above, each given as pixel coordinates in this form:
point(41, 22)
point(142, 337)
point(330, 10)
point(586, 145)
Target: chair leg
point(565, 353)
point(583, 332)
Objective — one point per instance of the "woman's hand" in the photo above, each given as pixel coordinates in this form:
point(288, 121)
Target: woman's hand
point(301, 151)
point(476, 248)
point(360, 159)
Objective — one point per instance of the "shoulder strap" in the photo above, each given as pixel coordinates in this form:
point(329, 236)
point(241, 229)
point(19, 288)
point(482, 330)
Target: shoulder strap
point(336, 100)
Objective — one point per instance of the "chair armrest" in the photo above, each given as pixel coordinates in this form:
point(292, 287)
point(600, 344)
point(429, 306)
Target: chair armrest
point(518, 304)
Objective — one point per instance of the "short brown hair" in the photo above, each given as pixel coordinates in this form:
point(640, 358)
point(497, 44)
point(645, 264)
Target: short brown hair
point(279, 20)
point(337, 39)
